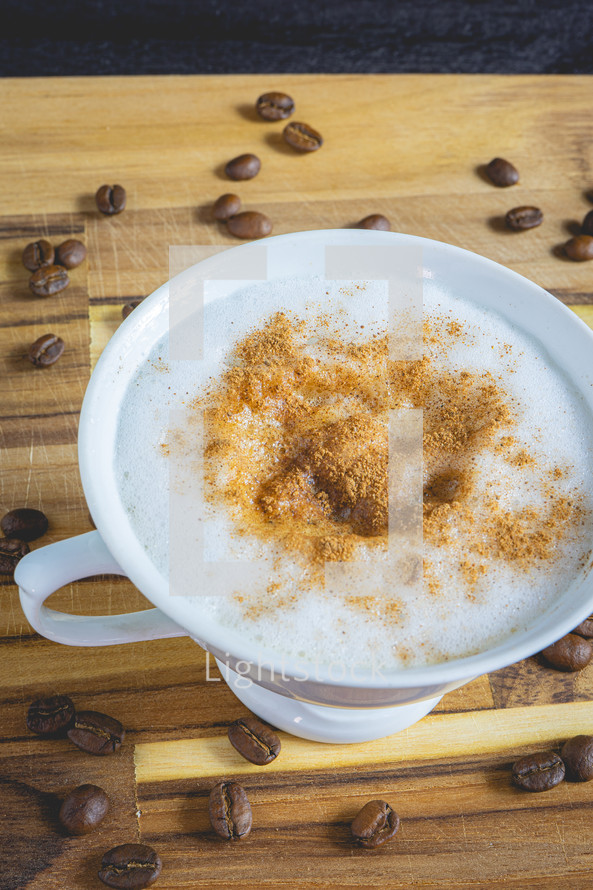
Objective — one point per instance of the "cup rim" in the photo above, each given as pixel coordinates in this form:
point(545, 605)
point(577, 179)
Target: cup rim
point(98, 486)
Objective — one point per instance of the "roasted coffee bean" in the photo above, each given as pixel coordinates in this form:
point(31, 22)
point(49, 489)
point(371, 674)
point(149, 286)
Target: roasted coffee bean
point(11, 552)
point(254, 740)
point(538, 772)
point(46, 350)
point(577, 755)
point(96, 733)
point(230, 811)
point(48, 716)
point(244, 167)
point(83, 809)
point(579, 248)
point(70, 253)
point(274, 106)
point(38, 254)
point(375, 221)
point(111, 199)
point(587, 227)
point(375, 824)
point(302, 137)
point(130, 867)
point(226, 206)
point(129, 308)
point(502, 173)
point(249, 224)
point(48, 280)
point(520, 218)
point(571, 653)
point(24, 523)
point(585, 628)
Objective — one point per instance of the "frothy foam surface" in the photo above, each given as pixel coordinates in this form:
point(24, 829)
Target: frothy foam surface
point(449, 617)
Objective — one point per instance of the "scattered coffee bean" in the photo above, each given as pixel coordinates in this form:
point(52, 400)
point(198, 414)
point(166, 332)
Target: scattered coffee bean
point(70, 253)
point(48, 716)
point(571, 653)
point(577, 755)
point(249, 224)
point(538, 772)
point(520, 218)
point(254, 740)
point(83, 809)
point(11, 552)
point(129, 308)
point(579, 248)
point(226, 206)
point(375, 824)
point(244, 167)
point(48, 280)
point(302, 137)
point(230, 811)
point(587, 227)
point(130, 867)
point(24, 523)
point(38, 254)
point(111, 199)
point(274, 106)
point(502, 173)
point(375, 221)
point(585, 628)
point(46, 350)
point(96, 733)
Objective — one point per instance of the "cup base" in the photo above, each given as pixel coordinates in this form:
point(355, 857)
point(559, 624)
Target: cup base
point(324, 724)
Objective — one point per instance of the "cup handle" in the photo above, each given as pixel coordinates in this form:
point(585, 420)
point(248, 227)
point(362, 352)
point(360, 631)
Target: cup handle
point(44, 571)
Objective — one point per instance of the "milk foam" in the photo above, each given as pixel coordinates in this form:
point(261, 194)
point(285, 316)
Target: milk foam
point(551, 421)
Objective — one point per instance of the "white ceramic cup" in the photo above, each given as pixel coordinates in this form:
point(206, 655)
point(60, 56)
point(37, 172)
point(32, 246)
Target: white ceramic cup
point(306, 700)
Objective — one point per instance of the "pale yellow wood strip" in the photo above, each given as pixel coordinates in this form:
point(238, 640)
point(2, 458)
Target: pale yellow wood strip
point(437, 736)
point(585, 313)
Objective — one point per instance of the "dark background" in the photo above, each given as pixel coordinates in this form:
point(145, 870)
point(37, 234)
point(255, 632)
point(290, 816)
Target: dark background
point(219, 36)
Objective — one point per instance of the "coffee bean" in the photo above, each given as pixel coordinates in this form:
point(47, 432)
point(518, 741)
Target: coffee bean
point(46, 350)
point(48, 716)
point(96, 733)
point(129, 308)
point(579, 248)
point(502, 173)
point(585, 628)
point(24, 523)
point(130, 867)
point(375, 824)
point(111, 199)
point(229, 811)
point(70, 253)
point(520, 218)
point(571, 653)
point(83, 809)
point(302, 137)
point(244, 167)
point(249, 224)
point(587, 227)
point(48, 280)
point(38, 254)
point(254, 740)
point(274, 106)
point(11, 552)
point(226, 206)
point(577, 754)
point(375, 221)
point(538, 772)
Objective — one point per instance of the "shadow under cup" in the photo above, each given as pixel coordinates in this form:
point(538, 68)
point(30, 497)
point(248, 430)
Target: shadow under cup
point(304, 699)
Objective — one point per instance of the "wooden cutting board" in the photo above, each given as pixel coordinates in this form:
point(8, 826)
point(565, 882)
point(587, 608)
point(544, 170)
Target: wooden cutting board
point(406, 146)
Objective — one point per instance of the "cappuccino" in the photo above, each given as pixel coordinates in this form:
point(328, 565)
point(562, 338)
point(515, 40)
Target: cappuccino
point(291, 411)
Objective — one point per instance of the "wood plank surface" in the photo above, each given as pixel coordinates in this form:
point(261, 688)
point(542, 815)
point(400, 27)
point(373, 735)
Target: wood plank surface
point(408, 146)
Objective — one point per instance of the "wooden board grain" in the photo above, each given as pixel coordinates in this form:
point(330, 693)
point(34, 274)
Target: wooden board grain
point(409, 147)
